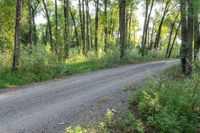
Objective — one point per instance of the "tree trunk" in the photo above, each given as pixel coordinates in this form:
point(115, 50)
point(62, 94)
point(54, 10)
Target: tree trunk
point(152, 35)
point(30, 38)
point(170, 51)
point(170, 36)
point(49, 25)
point(122, 28)
point(183, 34)
point(16, 55)
point(105, 25)
point(96, 26)
point(56, 23)
point(87, 26)
point(189, 44)
point(75, 28)
point(196, 35)
point(148, 20)
point(66, 28)
point(144, 28)
point(161, 24)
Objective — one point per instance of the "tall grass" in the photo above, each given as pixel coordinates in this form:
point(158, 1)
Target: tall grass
point(39, 63)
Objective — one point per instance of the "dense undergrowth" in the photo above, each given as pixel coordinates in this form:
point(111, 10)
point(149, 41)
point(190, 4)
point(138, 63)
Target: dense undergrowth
point(169, 103)
point(39, 64)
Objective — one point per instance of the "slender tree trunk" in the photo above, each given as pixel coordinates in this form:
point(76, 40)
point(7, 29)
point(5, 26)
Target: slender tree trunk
point(170, 51)
point(105, 25)
point(161, 24)
point(148, 20)
point(56, 23)
point(96, 26)
point(75, 28)
point(34, 29)
point(130, 23)
point(30, 23)
point(145, 27)
point(170, 36)
point(83, 26)
point(152, 35)
point(196, 35)
point(49, 24)
point(66, 28)
point(87, 25)
point(122, 28)
point(16, 56)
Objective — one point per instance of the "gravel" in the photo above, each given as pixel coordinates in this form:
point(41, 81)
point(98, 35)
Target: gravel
point(51, 106)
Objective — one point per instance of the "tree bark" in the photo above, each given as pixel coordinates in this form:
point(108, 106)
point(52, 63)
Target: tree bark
point(144, 28)
point(189, 44)
point(56, 24)
point(87, 26)
point(75, 28)
point(183, 34)
point(16, 56)
point(83, 28)
point(161, 24)
point(170, 36)
point(122, 28)
point(171, 49)
point(96, 26)
point(49, 25)
point(106, 25)
point(196, 35)
point(66, 28)
point(148, 20)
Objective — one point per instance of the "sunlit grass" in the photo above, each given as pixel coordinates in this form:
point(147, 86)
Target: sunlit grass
point(39, 64)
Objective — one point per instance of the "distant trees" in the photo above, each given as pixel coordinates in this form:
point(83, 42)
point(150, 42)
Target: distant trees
point(111, 26)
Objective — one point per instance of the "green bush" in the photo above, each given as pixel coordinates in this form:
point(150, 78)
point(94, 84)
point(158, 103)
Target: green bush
point(129, 124)
point(172, 102)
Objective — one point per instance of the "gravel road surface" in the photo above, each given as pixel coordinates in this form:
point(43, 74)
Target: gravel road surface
point(50, 106)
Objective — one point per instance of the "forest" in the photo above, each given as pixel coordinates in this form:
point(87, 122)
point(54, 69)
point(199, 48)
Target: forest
point(42, 40)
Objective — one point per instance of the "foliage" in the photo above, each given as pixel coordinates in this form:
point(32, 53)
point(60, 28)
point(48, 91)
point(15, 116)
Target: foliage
point(171, 103)
point(126, 124)
point(129, 124)
point(39, 64)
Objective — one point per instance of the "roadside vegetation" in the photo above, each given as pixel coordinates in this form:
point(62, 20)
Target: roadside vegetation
point(169, 103)
point(42, 64)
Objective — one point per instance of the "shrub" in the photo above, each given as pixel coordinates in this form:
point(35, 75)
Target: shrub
point(170, 103)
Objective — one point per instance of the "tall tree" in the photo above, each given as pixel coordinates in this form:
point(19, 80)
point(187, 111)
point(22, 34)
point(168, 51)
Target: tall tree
point(183, 34)
point(196, 32)
point(146, 23)
point(189, 44)
point(122, 28)
point(75, 28)
point(170, 35)
point(66, 28)
point(56, 24)
point(87, 25)
point(166, 9)
point(175, 36)
point(16, 55)
point(105, 25)
point(32, 10)
point(96, 25)
point(49, 25)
